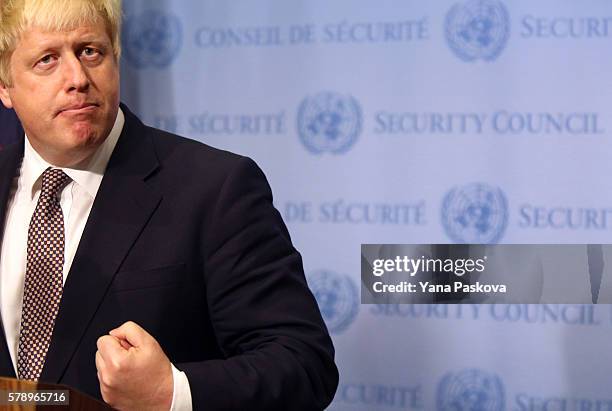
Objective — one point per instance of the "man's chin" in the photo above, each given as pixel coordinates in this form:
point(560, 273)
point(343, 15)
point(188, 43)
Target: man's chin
point(77, 146)
point(83, 133)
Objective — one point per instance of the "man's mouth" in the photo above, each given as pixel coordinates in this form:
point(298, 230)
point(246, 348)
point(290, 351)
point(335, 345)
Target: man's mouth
point(78, 108)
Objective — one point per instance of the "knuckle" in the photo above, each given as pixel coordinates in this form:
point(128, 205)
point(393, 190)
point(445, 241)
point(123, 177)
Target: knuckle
point(105, 381)
point(116, 365)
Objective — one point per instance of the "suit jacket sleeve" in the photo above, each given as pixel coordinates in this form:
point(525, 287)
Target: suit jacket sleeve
point(278, 354)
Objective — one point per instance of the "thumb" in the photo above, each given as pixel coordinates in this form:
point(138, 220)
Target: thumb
point(131, 333)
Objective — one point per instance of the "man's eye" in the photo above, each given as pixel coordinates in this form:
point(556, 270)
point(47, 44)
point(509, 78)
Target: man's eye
point(46, 60)
point(90, 52)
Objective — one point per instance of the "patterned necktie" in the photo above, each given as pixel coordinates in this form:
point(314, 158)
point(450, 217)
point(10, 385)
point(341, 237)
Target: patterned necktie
point(44, 276)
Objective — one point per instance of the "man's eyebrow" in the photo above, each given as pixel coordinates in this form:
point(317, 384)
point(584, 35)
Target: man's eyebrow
point(95, 40)
point(35, 52)
point(98, 43)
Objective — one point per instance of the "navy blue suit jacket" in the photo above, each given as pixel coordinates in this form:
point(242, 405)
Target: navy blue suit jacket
point(10, 128)
point(183, 239)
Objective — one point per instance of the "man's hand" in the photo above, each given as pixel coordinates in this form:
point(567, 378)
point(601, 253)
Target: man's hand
point(133, 371)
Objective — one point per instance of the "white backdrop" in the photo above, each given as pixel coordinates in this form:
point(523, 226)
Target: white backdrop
point(409, 122)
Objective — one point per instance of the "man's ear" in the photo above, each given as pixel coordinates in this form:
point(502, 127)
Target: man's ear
point(5, 96)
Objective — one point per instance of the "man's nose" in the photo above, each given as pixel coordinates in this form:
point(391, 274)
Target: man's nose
point(75, 74)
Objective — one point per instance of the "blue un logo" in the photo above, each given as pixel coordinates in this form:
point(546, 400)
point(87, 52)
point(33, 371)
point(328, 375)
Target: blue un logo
point(470, 390)
point(478, 29)
point(152, 39)
point(337, 298)
point(329, 122)
point(475, 214)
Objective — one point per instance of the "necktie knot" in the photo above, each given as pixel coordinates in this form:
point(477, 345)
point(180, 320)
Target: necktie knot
point(53, 182)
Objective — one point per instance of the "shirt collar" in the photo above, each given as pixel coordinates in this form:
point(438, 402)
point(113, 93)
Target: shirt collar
point(87, 175)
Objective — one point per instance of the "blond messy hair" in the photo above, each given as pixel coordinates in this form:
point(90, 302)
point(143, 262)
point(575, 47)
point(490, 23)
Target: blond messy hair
point(17, 16)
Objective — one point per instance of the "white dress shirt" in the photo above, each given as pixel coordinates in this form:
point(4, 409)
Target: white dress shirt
point(76, 201)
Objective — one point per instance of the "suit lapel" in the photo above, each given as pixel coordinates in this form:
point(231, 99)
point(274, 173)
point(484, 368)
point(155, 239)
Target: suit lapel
point(10, 158)
point(122, 207)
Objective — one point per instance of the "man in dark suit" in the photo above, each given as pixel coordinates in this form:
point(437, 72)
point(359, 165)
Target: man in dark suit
point(155, 272)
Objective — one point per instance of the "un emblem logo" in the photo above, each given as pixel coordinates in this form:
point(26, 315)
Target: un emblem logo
point(478, 29)
point(152, 39)
point(470, 390)
point(475, 214)
point(329, 122)
point(337, 298)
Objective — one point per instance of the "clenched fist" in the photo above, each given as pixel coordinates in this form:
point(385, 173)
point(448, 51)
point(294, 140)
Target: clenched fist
point(133, 371)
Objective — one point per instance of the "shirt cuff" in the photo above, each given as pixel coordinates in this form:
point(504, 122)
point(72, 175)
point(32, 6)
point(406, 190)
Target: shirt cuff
point(181, 394)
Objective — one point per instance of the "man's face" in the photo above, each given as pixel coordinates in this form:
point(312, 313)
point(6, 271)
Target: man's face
point(65, 90)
